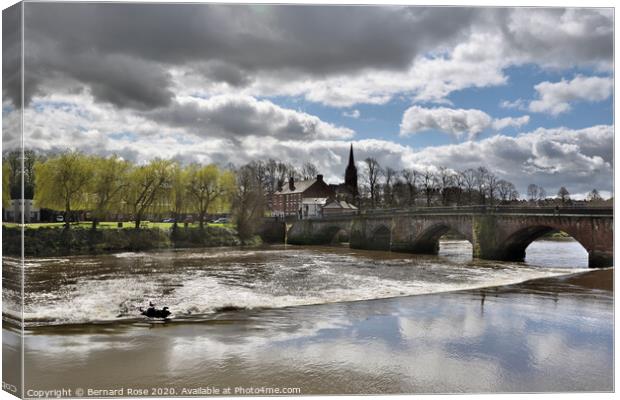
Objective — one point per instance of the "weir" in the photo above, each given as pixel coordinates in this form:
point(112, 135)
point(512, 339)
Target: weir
point(496, 233)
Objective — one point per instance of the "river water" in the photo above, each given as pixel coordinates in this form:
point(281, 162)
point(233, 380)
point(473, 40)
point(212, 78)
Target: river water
point(298, 316)
point(196, 283)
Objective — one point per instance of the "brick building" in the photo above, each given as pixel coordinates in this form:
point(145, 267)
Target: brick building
point(289, 200)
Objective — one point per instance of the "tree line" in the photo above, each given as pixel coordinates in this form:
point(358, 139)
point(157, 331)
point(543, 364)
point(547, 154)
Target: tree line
point(385, 187)
point(114, 188)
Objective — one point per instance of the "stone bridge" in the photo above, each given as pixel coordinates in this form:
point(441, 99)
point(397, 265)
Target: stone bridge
point(496, 233)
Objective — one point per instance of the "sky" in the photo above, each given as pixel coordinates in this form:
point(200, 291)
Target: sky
point(526, 92)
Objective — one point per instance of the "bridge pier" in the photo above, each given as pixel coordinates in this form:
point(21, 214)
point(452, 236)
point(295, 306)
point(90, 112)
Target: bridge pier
point(600, 259)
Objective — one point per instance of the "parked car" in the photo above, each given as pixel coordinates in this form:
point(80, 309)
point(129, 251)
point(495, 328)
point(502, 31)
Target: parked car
point(60, 218)
point(168, 220)
point(222, 220)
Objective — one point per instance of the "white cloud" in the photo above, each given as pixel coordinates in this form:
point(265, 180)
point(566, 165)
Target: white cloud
point(556, 97)
point(457, 122)
point(352, 114)
point(518, 104)
point(503, 123)
point(578, 159)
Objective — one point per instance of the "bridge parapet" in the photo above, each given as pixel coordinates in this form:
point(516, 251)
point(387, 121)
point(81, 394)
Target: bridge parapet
point(498, 233)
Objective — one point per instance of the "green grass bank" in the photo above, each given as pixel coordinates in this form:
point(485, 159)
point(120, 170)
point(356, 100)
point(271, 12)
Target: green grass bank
point(52, 241)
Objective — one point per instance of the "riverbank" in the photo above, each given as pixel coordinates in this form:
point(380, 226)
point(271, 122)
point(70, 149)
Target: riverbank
point(46, 242)
point(551, 334)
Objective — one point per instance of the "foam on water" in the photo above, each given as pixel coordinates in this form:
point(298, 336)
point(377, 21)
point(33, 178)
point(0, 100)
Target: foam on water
point(111, 288)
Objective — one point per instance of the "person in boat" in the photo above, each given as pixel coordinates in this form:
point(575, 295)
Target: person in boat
point(153, 312)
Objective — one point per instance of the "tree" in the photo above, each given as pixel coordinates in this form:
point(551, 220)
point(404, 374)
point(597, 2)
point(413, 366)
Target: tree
point(563, 195)
point(309, 171)
point(30, 159)
point(62, 182)
point(506, 191)
point(444, 179)
point(542, 194)
point(108, 182)
point(178, 193)
point(491, 186)
point(594, 196)
point(206, 185)
point(458, 185)
point(532, 192)
point(411, 180)
point(469, 183)
point(429, 185)
point(481, 175)
point(248, 202)
point(6, 188)
point(373, 173)
point(146, 184)
point(388, 187)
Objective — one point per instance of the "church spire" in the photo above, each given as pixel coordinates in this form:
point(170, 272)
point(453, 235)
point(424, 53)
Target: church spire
point(350, 175)
point(351, 160)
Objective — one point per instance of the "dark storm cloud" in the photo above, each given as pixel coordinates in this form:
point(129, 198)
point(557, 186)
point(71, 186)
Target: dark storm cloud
point(559, 37)
point(11, 52)
point(229, 116)
point(121, 49)
point(124, 52)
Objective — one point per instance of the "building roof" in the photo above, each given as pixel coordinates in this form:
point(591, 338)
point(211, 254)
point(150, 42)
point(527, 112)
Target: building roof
point(314, 200)
point(340, 204)
point(300, 187)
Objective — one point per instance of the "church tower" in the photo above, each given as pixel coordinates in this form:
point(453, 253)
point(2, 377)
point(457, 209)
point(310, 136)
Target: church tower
point(350, 175)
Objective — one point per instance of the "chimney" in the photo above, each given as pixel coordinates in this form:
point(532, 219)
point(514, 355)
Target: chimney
point(291, 183)
point(319, 178)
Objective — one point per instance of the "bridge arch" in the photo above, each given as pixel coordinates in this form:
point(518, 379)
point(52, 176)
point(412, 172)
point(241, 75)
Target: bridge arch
point(514, 247)
point(427, 241)
point(381, 238)
point(335, 234)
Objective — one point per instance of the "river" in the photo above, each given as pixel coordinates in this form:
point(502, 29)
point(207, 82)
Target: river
point(321, 319)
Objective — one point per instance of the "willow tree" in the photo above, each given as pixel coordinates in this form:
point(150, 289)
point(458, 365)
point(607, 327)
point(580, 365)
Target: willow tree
point(248, 202)
point(63, 182)
point(206, 187)
point(109, 181)
point(178, 192)
point(147, 184)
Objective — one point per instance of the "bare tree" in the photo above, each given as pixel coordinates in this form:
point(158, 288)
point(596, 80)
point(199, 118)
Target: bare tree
point(411, 180)
point(388, 187)
point(491, 186)
point(542, 194)
point(309, 171)
point(594, 196)
point(373, 174)
point(445, 179)
point(563, 195)
point(429, 185)
point(506, 191)
point(458, 182)
point(532, 192)
point(481, 174)
point(469, 182)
